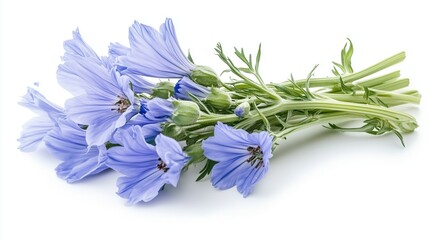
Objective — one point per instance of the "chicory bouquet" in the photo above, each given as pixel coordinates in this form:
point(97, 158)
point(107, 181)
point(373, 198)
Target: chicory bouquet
point(148, 111)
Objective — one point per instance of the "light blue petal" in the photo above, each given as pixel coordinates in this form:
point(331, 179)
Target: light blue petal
point(100, 133)
point(247, 179)
point(135, 156)
point(168, 32)
point(228, 147)
point(92, 109)
point(150, 131)
point(130, 162)
point(155, 54)
point(231, 136)
point(186, 86)
point(144, 187)
point(157, 110)
point(224, 174)
point(117, 49)
point(92, 77)
point(34, 132)
point(77, 169)
point(67, 143)
point(264, 141)
point(140, 84)
point(125, 116)
point(78, 47)
point(36, 102)
point(216, 150)
point(139, 162)
point(172, 155)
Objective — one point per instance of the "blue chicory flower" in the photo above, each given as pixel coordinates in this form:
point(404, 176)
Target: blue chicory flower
point(35, 130)
point(104, 99)
point(67, 142)
point(76, 49)
point(107, 104)
point(155, 53)
point(186, 86)
point(147, 168)
point(243, 158)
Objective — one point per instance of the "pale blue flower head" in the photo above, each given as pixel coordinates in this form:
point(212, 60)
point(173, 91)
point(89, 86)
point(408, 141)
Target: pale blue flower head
point(107, 104)
point(155, 53)
point(67, 142)
point(35, 130)
point(243, 158)
point(105, 101)
point(147, 168)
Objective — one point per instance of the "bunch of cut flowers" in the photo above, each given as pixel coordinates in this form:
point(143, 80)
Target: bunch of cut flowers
point(148, 111)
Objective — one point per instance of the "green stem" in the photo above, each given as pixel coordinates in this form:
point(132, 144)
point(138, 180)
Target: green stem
point(323, 118)
point(402, 121)
point(390, 98)
point(323, 82)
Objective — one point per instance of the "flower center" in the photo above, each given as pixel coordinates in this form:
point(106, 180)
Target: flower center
point(121, 105)
point(255, 159)
point(162, 166)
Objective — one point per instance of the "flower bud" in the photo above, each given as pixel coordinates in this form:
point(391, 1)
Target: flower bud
point(205, 76)
point(163, 89)
point(185, 112)
point(196, 152)
point(242, 110)
point(174, 131)
point(219, 99)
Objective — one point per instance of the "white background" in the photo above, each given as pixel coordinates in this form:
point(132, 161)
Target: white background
point(321, 185)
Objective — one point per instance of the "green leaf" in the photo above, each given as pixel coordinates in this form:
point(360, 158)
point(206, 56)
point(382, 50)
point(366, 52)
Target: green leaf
point(399, 135)
point(307, 83)
point(199, 102)
point(345, 88)
point(263, 118)
point(348, 57)
point(196, 153)
point(335, 71)
point(110, 145)
point(190, 57)
point(258, 58)
point(206, 169)
point(246, 70)
point(339, 66)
